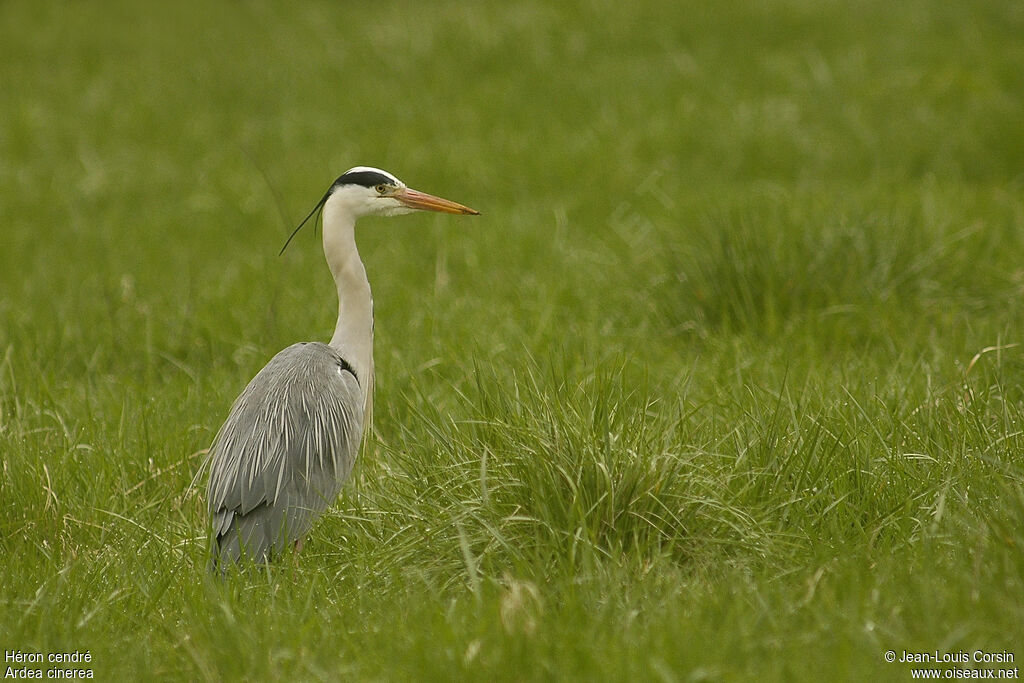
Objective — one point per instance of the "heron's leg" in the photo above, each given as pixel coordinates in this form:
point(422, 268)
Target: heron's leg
point(298, 545)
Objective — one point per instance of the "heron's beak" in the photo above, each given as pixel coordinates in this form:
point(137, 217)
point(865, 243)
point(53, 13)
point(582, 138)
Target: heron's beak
point(422, 201)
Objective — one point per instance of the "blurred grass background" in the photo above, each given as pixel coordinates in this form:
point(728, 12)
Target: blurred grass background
point(723, 384)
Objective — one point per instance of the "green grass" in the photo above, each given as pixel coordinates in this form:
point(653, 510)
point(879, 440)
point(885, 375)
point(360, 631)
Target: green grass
point(725, 384)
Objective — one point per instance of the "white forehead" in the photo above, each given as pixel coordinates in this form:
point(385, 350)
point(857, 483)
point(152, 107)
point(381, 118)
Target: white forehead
point(371, 169)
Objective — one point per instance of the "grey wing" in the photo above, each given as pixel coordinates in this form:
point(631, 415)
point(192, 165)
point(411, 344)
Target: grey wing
point(283, 453)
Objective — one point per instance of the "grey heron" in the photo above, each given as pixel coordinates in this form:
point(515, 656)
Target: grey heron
point(292, 435)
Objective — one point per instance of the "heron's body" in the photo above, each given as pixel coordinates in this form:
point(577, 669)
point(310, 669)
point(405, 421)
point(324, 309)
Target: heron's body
point(285, 450)
point(292, 436)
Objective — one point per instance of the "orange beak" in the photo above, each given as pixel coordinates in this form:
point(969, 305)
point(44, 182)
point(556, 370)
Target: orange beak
point(422, 201)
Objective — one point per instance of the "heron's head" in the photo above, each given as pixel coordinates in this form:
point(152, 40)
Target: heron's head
point(366, 191)
point(370, 191)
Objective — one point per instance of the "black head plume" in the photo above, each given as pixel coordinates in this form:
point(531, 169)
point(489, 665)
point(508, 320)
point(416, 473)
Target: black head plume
point(318, 210)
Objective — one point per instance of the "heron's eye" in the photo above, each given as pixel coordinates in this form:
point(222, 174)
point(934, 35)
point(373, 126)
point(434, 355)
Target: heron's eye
point(381, 189)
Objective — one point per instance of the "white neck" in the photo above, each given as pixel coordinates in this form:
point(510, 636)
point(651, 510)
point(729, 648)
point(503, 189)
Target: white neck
point(353, 334)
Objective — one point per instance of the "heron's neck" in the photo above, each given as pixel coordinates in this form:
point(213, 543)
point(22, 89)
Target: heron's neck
point(353, 334)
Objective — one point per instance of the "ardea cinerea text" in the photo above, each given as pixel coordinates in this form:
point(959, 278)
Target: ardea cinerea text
point(293, 434)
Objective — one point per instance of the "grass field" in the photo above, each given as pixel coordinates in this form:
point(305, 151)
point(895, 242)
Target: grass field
point(726, 383)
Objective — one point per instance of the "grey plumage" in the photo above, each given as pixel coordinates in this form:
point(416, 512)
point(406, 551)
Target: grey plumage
point(283, 453)
point(293, 434)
